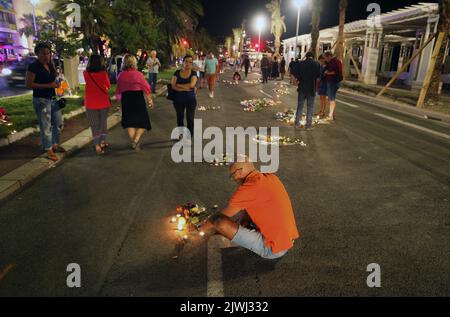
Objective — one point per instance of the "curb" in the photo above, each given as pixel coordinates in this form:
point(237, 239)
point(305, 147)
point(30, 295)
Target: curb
point(28, 131)
point(18, 178)
point(396, 106)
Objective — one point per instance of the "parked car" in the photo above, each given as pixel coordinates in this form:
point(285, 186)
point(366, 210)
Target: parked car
point(19, 70)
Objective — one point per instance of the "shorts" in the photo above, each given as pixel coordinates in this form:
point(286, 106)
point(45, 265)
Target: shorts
point(323, 88)
point(254, 241)
point(202, 75)
point(211, 79)
point(332, 88)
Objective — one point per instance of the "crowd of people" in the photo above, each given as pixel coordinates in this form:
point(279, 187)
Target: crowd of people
point(271, 239)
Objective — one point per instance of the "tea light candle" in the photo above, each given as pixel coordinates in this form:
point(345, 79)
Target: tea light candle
point(202, 234)
point(173, 220)
point(181, 223)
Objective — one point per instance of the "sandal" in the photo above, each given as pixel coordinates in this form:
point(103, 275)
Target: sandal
point(59, 149)
point(52, 157)
point(105, 145)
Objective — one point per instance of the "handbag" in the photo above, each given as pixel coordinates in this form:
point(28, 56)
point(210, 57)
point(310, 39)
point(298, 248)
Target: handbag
point(170, 92)
point(61, 103)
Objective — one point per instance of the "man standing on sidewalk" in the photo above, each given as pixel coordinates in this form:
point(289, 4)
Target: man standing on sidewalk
point(153, 66)
point(211, 69)
point(307, 73)
point(333, 75)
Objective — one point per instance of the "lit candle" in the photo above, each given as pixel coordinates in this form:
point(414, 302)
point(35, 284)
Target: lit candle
point(202, 234)
point(185, 237)
point(173, 220)
point(181, 223)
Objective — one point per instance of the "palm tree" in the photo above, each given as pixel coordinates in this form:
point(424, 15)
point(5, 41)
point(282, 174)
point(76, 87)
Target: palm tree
point(315, 23)
point(278, 25)
point(340, 40)
point(95, 16)
point(443, 26)
point(28, 28)
point(237, 34)
point(179, 17)
point(228, 43)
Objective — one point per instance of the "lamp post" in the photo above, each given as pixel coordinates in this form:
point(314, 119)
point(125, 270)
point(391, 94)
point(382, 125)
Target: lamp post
point(298, 4)
point(34, 3)
point(259, 24)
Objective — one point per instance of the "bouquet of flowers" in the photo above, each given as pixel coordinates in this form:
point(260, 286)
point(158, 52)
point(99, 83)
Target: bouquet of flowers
point(253, 105)
point(278, 140)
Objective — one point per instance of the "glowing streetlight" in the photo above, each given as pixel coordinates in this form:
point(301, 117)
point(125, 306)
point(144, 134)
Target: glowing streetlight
point(298, 4)
point(260, 23)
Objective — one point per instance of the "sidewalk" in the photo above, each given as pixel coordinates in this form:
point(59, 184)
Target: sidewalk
point(398, 99)
point(405, 96)
point(23, 161)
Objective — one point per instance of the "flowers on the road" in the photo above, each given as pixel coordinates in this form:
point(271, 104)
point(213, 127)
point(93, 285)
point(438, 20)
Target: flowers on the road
point(222, 160)
point(287, 116)
point(208, 108)
point(281, 90)
point(278, 141)
point(253, 105)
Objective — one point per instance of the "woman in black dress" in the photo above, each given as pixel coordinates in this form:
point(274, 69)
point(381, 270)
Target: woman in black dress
point(183, 84)
point(134, 92)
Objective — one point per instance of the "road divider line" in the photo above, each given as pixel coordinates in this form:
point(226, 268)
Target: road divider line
point(415, 126)
point(347, 103)
point(265, 93)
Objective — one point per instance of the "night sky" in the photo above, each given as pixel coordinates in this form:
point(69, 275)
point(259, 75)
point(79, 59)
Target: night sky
point(223, 15)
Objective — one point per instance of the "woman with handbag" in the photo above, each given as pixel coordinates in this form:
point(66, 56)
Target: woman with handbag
point(97, 100)
point(134, 93)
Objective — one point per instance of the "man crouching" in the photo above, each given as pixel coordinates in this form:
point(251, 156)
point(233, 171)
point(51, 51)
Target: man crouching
point(259, 215)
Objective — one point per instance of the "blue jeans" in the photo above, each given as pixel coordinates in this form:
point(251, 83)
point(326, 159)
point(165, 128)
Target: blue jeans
point(50, 121)
point(254, 241)
point(152, 80)
point(309, 111)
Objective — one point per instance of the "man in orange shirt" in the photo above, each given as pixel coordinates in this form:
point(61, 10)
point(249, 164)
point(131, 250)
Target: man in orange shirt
point(262, 200)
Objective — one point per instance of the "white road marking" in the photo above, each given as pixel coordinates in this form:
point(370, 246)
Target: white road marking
point(215, 277)
point(347, 104)
point(415, 126)
point(264, 93)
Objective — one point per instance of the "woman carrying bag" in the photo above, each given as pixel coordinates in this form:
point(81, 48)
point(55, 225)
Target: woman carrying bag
point(97, 100)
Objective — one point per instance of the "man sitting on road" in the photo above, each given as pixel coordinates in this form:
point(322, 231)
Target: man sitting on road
point(259, 215)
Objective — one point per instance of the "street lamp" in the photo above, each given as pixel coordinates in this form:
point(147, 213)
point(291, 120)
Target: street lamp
point(298, 4)
point(260, 22)
point(34, 3)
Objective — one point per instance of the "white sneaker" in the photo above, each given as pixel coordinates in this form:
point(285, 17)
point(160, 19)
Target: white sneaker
point(212, 94)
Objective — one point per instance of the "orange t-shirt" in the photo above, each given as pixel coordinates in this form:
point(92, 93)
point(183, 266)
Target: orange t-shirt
point(267, 203)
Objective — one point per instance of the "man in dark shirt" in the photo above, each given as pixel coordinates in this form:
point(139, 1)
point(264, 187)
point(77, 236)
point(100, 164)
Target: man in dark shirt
point(333, 76)
point(307, 73)
point(41, 77)
point(265, 64)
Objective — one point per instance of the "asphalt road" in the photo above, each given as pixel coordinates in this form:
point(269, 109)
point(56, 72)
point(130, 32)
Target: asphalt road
point(366, 189)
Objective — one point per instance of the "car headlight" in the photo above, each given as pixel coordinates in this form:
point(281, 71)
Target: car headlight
point(6, 71)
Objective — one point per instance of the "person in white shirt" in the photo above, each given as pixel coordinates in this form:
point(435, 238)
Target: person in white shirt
point(153, 66)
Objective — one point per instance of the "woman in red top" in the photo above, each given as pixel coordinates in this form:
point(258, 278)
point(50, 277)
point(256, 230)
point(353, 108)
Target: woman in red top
point(97, 101)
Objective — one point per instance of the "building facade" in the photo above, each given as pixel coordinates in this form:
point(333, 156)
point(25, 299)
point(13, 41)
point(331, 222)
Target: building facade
point(380, 46)
point(9, 37)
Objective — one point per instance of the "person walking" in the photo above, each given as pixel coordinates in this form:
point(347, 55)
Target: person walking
point(322, 87)
point(333, 75)
point(265, 68)
point(201, 66)
point(307, 73)
point(185, 101)
point(134, 93)
point(153, 65)
point(282, 68)
point(291, 68)
point(246, 65)
point(41, 78)
point(211, 69)
point(97, 100)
